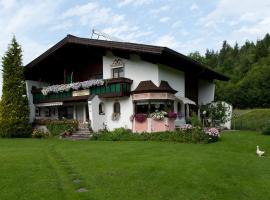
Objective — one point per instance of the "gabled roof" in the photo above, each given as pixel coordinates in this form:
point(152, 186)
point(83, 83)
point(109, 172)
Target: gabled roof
point(149, 86)
point(151, 53)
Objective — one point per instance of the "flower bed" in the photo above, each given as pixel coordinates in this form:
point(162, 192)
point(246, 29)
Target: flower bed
point(57, 127)
point(187, 134)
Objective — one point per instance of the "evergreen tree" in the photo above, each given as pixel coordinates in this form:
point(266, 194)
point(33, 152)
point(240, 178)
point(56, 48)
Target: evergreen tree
point(248, 67)
point(14, 110)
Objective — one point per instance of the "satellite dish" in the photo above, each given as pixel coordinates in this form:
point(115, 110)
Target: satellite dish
point(99, 35)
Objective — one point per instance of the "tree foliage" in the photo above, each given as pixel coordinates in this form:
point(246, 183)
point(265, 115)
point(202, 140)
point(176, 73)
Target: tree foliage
point(248, 67)
point(14, 110)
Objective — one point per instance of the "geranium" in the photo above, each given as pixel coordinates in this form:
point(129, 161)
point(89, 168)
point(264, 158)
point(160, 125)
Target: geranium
point(140, 117)
point(159, 115)
point(172, 115)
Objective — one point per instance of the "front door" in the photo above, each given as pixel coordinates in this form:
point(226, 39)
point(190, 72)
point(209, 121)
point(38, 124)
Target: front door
point(80, 112)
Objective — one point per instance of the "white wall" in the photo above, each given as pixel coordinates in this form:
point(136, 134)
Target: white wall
point(174, 77)
point(126, 109)
point(206, 92)
point(135, 69)
point(96, 119)
point(29, 85)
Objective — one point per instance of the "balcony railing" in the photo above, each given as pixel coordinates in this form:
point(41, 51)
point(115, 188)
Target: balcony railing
point(119, 87)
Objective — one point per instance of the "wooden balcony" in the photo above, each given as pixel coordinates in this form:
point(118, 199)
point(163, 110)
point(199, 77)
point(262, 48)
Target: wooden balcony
point(119, 87)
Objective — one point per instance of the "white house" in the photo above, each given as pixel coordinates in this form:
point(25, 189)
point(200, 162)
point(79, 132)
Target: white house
point(107, 83)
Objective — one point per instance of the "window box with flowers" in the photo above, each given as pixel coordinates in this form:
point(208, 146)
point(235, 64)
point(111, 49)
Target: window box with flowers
point(158, 115)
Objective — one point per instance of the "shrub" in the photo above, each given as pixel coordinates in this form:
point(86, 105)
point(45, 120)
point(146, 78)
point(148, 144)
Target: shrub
point(57, 127)
point(195, 121)
point(213, 134)
point(39, 133)
point(186, 135)
point(118, 134)
point(266, 130)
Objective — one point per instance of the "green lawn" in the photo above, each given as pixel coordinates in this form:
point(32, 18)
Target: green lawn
point(45, 169)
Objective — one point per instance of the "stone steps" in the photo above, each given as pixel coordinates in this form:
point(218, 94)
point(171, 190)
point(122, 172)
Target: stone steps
point(80, 134)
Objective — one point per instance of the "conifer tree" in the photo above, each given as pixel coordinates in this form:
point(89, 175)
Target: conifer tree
point(14, 109)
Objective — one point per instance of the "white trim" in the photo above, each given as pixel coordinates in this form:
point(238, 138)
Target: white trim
point(49, 104)
point(185, 100)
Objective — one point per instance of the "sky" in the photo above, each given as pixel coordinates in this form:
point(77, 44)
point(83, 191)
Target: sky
point(183, 25)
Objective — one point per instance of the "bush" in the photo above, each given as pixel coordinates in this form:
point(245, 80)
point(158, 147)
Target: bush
point(266, 130)
point(118, 134)
point(195, 121)
point(38, 133)
point(188, 134)
point(57, 127)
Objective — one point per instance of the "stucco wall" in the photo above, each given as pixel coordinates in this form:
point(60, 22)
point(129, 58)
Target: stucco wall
point(174, 77)
point(96, 119)
point(206, 92)
point(135, 69)
point(29, 85)
point(126, 111)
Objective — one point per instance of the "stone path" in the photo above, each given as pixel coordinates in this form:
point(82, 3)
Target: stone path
point(67, 171)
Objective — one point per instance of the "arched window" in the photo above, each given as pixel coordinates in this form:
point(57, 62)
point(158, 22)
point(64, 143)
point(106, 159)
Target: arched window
point(116, 107)
point(101, 108)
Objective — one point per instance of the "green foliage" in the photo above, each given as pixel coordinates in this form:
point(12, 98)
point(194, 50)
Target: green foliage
point(118, 134)
point(14, 110)
point(248, 67)
point(266, 130)
point(58, 127)
point(195, 135)
point(252, 119)
point(217, 112)
point(39, 133)
point(195, 121)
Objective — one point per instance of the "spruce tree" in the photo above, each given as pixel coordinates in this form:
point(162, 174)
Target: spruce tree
point(14, 109)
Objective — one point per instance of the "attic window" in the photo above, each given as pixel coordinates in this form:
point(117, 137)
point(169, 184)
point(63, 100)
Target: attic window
point(118, 72)
point(118, 68)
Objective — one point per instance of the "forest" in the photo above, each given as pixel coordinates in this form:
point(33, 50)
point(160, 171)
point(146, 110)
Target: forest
point(248, 67)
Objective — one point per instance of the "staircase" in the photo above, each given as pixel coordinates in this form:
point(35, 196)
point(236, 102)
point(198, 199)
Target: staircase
point(82, 133)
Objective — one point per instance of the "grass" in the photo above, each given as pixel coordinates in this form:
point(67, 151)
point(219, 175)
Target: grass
point(45, 169)
point(251, 119)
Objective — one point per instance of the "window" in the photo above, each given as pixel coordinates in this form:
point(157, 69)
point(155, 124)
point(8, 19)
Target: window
point(142, 107)
point(118, 72)
point(101, 108)
point(37, 112)
point(116, 107)
point(153, 106)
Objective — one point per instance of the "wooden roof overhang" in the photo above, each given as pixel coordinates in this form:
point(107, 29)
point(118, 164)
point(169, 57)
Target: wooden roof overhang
point(73, 49)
